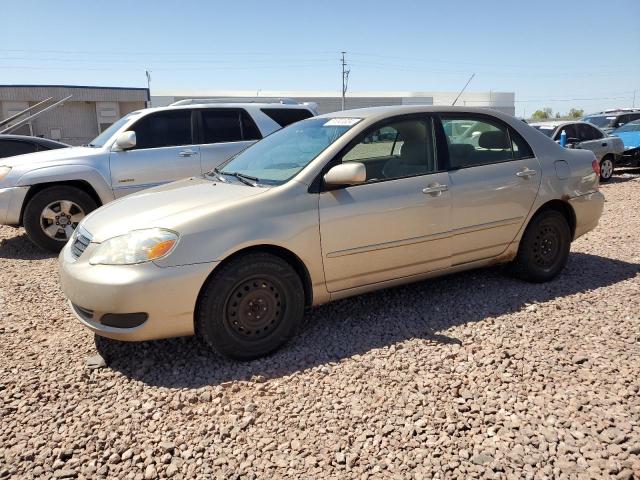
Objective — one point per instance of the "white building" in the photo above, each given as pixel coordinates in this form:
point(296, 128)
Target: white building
point(331, 101)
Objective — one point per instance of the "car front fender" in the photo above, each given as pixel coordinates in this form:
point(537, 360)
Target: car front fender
point(69, 173)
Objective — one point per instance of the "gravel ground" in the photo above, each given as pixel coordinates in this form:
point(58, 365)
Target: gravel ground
point(472, 375)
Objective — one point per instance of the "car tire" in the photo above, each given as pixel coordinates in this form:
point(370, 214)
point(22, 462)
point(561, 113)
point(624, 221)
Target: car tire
point(251, 307)
point(49, 208)
point(544, 248)
point(606, 168)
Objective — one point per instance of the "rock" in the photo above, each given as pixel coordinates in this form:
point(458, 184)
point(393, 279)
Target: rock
point(340, 458)
point(94, 362)
point(481, 459)
point(150, 472)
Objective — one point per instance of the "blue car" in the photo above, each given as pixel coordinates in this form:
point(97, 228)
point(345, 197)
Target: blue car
point(630, 135)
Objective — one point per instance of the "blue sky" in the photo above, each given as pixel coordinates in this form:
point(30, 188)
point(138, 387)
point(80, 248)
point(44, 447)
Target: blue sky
point(575, 53)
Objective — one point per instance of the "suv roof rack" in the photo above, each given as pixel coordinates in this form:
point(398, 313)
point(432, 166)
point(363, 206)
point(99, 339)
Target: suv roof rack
point(196, 101)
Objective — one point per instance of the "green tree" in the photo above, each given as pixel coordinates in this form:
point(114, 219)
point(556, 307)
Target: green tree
point(543, 114)
point(576, 113)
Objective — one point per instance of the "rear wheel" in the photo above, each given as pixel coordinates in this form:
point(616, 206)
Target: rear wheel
point(544, 248)
point(606, 169)
point(250, 307)
point(53, 214)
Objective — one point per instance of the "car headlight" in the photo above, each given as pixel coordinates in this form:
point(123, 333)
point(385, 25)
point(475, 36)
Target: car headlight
point(138, 246)
point(4, 171)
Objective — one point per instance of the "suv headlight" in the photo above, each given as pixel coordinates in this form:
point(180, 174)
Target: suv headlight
point(4, 171)
point(138, 246)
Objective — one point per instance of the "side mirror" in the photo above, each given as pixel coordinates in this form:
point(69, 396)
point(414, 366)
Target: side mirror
point(126, 140)
point(349, 173)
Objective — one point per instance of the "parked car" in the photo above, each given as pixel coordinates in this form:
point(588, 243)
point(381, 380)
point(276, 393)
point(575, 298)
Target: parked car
point(319, 211)
point(609, 120)
point(630, 135)
point(583, 135)
point(50, 192)
point(11, 145)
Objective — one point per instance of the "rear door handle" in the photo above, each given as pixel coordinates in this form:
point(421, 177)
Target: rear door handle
point(604, 144)
point(187, 153)
point(435, 189)
point(526, 173)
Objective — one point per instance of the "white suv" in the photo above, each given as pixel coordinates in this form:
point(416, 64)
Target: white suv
point(50, 192)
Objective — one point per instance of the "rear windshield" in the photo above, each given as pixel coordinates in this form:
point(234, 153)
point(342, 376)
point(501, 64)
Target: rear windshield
point(601, 121)
point(286, 116)
point(546, 129)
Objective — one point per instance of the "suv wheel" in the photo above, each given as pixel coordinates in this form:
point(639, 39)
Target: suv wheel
point(544, 248)
point(606, 169)
point(251, 307)
point(53, 214)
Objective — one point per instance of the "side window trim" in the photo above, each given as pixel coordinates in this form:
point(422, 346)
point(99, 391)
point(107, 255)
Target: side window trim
point(489, 119)
point(317, 186)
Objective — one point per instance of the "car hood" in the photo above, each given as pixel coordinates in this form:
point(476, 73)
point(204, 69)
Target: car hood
point(630, 139)
point(168, 206)
point(50, 156)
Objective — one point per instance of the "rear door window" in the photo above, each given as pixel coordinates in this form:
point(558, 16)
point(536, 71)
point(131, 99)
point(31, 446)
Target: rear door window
point(228, 125)
point(286, 116)
point(163, 129)
point(477, 141)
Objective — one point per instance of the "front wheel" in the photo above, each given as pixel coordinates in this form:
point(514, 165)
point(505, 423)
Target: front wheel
point(52, 215)
point(250, 307)
point(606, 169)
point(544, 248)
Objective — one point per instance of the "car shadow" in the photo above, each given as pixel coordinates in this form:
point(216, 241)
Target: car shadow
point(624, 175)
point(357, 325)
point(21, 248)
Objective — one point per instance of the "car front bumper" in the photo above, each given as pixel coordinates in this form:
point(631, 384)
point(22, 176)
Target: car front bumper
point(167, 296)
point(11, 200)
point(588, 209)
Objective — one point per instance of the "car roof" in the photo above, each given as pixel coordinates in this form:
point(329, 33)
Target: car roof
point(249, 105)
point(557, 123)
point(375, 113)
point(27, 138)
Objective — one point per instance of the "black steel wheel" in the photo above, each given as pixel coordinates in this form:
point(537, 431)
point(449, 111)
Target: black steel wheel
point(544, 247)
point(250, 306)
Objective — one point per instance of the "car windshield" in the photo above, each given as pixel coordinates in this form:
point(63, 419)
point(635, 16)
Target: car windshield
point(601, 121)
point(546, 129)
point(280, 156)
point(629, 127)
point(104, 137)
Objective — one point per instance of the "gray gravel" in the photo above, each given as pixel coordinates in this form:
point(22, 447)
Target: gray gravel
point(473, 375)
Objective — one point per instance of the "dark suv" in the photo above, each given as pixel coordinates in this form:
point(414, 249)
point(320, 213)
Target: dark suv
point(608, 121)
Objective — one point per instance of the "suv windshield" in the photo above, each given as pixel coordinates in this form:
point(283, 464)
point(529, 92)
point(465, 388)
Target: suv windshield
point(629, 127)
point(280, 156)
point(601, 121)
point(101, 139)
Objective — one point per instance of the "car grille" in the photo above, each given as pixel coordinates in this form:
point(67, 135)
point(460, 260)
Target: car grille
point(80, 242)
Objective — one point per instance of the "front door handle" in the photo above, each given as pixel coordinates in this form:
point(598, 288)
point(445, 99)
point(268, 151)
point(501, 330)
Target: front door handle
point(187, 153)
point(435, 189)
point(526, 173)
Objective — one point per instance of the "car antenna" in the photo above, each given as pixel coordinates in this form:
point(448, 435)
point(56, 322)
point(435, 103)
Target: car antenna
point(463, 88)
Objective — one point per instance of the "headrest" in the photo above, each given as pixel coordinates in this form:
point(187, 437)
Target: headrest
point(461, 150)
point(494, 140)
point(413, 152)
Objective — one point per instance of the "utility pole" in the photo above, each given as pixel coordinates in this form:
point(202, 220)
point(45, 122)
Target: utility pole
point(634, 99)
point(345, 78)
point(148, 74)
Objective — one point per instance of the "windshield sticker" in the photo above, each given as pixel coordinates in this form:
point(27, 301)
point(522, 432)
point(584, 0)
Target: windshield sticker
point(342, 122)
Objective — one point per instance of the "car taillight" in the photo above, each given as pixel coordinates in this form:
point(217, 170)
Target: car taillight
point(596, 167)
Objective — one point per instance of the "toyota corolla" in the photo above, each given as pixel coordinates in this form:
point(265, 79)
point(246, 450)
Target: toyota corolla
point(326, 208)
